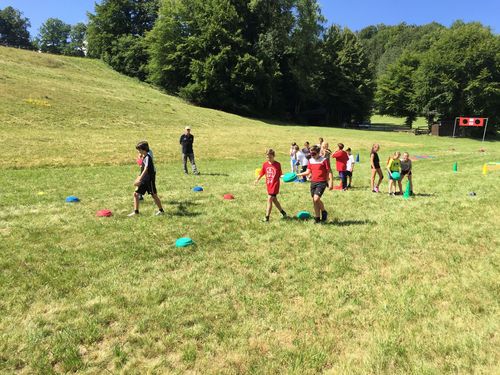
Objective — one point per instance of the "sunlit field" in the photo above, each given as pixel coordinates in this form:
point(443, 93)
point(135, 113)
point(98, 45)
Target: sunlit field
point(388, 285)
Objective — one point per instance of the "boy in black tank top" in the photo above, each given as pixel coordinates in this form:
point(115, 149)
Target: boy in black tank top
point(146, 182)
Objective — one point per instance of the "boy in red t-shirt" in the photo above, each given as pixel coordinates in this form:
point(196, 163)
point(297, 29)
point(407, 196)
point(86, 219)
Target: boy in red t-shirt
point(342, 157)
point(321, 176)
point(272, 170)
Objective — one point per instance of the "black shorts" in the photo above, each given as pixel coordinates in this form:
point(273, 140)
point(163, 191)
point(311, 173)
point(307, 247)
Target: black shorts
point(147, 187)
point(318, 188)
point(404, 173)
point(348, 173)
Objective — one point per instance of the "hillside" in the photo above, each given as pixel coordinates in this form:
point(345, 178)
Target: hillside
point(61, 111)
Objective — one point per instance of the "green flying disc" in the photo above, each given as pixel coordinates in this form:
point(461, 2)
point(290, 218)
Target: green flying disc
point(184, 242)
point(290, 177)
point(304, 215)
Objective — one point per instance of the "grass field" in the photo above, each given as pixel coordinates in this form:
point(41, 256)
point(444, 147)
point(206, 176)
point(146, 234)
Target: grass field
point(390, 120)
point(387, 287)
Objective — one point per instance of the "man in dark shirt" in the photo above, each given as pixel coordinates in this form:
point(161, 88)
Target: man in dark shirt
point(186, 141)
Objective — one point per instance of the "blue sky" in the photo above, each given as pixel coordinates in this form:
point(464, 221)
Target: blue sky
point(354, 14)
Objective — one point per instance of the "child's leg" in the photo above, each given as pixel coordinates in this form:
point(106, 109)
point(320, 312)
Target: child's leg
point(372, 179)
point(269, 207)
point(343, 178)
point(390, 186)
point(136, 202)
point(400, 186)
point(157, 201)
point(411, 182)
point(318, 206)
point(277, 204)
point(349, 179)
point(380, 177)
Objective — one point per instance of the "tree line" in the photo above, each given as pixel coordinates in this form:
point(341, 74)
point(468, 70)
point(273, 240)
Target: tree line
point(279, 58)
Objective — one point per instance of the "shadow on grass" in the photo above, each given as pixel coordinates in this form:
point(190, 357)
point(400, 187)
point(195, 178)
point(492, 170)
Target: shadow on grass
point(183, 208)
point(338, 223)
point(215, 174)
point(424, 195)
point(348, 223)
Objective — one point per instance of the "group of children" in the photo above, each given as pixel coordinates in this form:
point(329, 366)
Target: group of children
point(314, 163)
point(299, 160)
point(397, 169)
point(319, 171)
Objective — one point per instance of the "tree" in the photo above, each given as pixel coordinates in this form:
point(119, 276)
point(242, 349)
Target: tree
point(116, 31)
point(14, 29)
point(385, 44)
point(346, 85)
point(54, 36)
point(460, 73)
point(304, 62)
point(395, 94)
point(77, 36)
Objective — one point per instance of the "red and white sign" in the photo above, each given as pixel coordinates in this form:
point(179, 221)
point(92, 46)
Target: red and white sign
point(472, 121)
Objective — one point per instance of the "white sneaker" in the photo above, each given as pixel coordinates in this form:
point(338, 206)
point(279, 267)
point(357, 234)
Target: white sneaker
point(132, 214)
point(160, 213)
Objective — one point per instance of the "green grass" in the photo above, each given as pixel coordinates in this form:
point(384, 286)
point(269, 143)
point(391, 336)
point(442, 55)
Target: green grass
point(390, 120)
point(389, 286)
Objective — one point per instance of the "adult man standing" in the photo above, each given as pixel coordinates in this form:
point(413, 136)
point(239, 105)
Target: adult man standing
point(186, 141)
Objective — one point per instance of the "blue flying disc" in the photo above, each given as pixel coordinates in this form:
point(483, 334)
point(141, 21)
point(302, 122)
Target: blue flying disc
point(184, 242)
point(290, 177)
point(197, 189)
point(304, 215)
point(396, 175)
point(72, 199)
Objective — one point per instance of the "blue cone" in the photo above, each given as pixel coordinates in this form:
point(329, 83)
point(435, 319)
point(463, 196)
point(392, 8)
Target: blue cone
point(197, 189)
point(72, 199)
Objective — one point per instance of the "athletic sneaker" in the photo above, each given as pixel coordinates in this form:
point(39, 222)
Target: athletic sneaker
point(324, 216)
point(132, 214)
point(159, 213)
point(375, 189)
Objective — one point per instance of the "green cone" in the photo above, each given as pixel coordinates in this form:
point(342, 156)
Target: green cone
point(455, 167)
point(407, 192)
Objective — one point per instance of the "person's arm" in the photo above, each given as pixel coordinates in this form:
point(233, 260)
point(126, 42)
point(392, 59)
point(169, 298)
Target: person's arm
point(330, 180)
point(262, 173)
point(139, 179)
point(306, 173)
point(389, 167)
point(180, 140)
point(372, 156)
